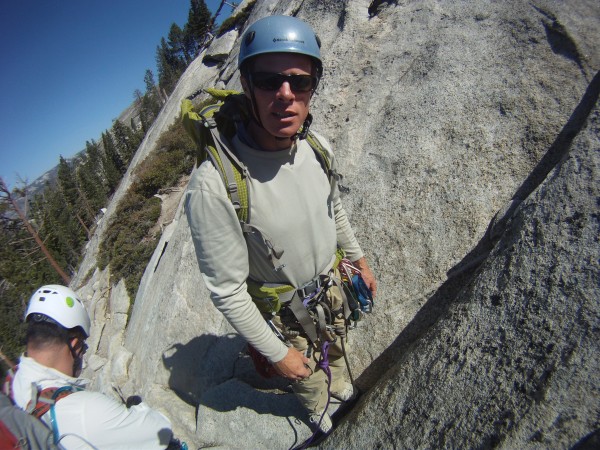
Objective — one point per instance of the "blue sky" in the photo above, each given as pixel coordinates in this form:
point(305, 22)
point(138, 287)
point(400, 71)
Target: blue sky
point(69, 68)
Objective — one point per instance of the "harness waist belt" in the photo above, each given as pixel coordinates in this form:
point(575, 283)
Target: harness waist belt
point(310, 287)
point(302, 292)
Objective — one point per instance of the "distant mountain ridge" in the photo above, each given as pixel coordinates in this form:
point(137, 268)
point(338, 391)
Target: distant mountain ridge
point(49, 177)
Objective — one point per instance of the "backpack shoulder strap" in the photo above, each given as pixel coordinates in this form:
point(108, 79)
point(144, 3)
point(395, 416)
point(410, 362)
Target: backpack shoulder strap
point(325, 160)
point(48, 397)
point(41, 402)
point(211, 129)
point(320, 152)
point(233, 173)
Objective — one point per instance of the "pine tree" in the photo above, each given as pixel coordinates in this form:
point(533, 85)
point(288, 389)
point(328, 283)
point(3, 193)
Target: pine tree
point(177, 44)
point(60, 226)
point(87, 189)
point(90, 177)
point(90, 187)
point(66, 181)
point(126, 142)
point(152, 100)
point(143, 114)
point(189, 43)
point(92, 170)
point(112, 152)
point(199, 22)
point(93, 157)
point(149, 82)
point(111, 162)
point(67, 184)
point(17, 281)
point(169, 66)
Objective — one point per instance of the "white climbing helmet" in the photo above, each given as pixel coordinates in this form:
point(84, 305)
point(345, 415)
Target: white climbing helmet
point(60, 304)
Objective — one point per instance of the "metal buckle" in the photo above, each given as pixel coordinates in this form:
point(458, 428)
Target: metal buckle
point(308, 288)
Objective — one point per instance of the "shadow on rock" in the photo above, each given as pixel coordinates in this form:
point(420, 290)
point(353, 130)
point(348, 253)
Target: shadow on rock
point(202, 363)
point(273, 417)
point(217, 375)
point(206, 362)
point(236, 394)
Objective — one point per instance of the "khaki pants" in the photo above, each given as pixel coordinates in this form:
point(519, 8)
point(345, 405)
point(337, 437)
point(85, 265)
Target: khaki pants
point(312, 391)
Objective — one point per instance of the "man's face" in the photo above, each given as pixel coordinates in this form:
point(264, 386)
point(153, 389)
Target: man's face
point(282, 111)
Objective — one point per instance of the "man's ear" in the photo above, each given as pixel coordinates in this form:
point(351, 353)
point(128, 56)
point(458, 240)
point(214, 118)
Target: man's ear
point(77, 341)
point(74, 341)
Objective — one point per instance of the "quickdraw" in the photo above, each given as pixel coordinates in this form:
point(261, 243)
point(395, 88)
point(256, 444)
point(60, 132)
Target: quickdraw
point(359, 296)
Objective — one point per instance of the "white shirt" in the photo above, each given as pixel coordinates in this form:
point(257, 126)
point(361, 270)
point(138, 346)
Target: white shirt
point(88, 420)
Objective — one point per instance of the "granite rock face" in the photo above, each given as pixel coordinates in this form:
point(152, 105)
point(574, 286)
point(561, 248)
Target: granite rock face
point(512, 361)
point(452, 123)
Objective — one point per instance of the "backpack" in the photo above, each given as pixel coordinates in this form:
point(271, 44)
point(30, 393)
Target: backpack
point(213, 127)
point(19, 430)
point(32, 429)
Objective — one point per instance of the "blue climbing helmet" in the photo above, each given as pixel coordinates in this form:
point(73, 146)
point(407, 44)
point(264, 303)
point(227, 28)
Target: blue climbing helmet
point(280, 34)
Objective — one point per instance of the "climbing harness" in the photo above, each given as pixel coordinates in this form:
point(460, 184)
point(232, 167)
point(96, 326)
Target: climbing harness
point(309, 307)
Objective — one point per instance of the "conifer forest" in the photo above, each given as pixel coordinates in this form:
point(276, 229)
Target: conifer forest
point(45, 231)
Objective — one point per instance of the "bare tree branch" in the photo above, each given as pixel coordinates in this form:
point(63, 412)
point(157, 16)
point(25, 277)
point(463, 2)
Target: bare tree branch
point(7, 361)
point(20, 241)
point(7, 196)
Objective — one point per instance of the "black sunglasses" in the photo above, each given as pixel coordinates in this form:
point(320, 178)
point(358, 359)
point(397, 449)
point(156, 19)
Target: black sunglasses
point(269, 81)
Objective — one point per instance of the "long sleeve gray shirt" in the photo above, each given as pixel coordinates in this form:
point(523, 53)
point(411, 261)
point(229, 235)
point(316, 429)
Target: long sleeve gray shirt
point(292, 206)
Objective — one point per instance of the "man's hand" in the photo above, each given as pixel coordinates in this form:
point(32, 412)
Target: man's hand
point(133, 400)
point(367, 274)
point(293, 365)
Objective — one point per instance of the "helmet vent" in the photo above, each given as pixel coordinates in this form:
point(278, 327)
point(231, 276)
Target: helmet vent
point(250, 37)
point(42, 299)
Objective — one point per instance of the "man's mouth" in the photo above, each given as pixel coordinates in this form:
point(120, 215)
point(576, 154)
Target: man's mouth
point(283, 115)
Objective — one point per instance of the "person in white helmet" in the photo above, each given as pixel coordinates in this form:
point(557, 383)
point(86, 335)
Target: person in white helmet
point(57, 328)
point(297, 221)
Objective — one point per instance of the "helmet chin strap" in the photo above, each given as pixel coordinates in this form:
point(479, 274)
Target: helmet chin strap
point(303, 132)
point(77, 360)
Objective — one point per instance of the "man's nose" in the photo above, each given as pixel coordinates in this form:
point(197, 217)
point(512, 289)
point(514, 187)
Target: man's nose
point(285, 93)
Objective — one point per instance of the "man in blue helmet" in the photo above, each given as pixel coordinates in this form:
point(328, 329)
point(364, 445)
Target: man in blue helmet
point(297, 219)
